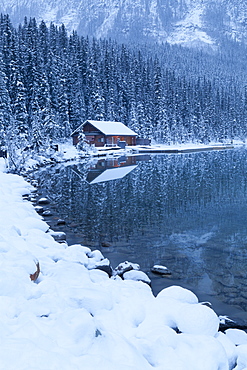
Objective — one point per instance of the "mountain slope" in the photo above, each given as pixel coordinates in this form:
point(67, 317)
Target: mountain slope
point(187, 22)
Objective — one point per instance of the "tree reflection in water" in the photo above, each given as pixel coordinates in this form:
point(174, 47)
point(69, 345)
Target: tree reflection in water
point(187, 211)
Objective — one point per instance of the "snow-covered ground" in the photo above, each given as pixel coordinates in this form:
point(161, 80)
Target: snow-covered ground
point(75, 317)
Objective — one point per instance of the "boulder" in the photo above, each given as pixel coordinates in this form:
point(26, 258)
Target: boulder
point(47, 213)
point(39, 209)
point(161, 270)
point(105, 244)
point(124, 267)
point(59, 236)
point(43, 201)
point(104, 266)
point(137, 276)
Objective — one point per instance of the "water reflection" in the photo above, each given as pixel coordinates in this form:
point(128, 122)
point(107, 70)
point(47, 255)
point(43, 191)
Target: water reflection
point(110, 169)
point(187, 211)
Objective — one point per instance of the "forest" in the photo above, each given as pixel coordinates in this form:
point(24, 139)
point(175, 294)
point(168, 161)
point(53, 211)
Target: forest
point(52, 81)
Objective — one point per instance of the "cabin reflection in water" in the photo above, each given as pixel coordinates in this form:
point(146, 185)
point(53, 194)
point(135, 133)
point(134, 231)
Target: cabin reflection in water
point(111, 169)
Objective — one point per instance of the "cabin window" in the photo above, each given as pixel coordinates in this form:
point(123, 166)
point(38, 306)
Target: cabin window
point(101, 140)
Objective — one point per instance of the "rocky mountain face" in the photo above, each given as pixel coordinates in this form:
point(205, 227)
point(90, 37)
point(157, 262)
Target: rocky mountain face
point(186, 22)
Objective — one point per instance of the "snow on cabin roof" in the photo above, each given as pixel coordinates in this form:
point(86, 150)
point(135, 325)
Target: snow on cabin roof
point(109, 128)
point(112, 128)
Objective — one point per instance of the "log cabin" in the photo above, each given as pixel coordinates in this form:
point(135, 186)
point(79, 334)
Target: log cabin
point(104, 133)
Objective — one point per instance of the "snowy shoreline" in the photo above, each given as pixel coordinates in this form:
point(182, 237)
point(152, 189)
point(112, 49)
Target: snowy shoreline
point(53, 218)
point(74, 316)
point(68, 152)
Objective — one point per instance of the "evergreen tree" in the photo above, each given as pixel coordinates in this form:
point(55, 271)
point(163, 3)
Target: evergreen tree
point(6, 118)
point(51, 82)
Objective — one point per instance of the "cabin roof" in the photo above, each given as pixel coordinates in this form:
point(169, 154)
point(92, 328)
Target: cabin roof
point(108, 128)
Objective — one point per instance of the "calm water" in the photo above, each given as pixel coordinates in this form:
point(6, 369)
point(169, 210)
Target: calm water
point(185, 211)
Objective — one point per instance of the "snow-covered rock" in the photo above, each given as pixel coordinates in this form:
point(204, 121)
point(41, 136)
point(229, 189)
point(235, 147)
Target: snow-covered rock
point(162, 270)
point(136, 276)
point(178, 293)
point(229, 347)
point(197, 319)
point(47, 213)
point(76, 253)
point(39, 209)
point(241, 357)
point(124, 267)
point(237, 336)
point(43, 201)
point(58, 235)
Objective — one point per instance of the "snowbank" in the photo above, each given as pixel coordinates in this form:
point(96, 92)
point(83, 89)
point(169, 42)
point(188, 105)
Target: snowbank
point(75, 317)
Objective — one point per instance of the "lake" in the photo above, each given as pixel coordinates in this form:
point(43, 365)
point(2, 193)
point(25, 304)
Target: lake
point(185, 211)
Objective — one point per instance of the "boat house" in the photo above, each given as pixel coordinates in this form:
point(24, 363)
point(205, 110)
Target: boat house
point(104, 133)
